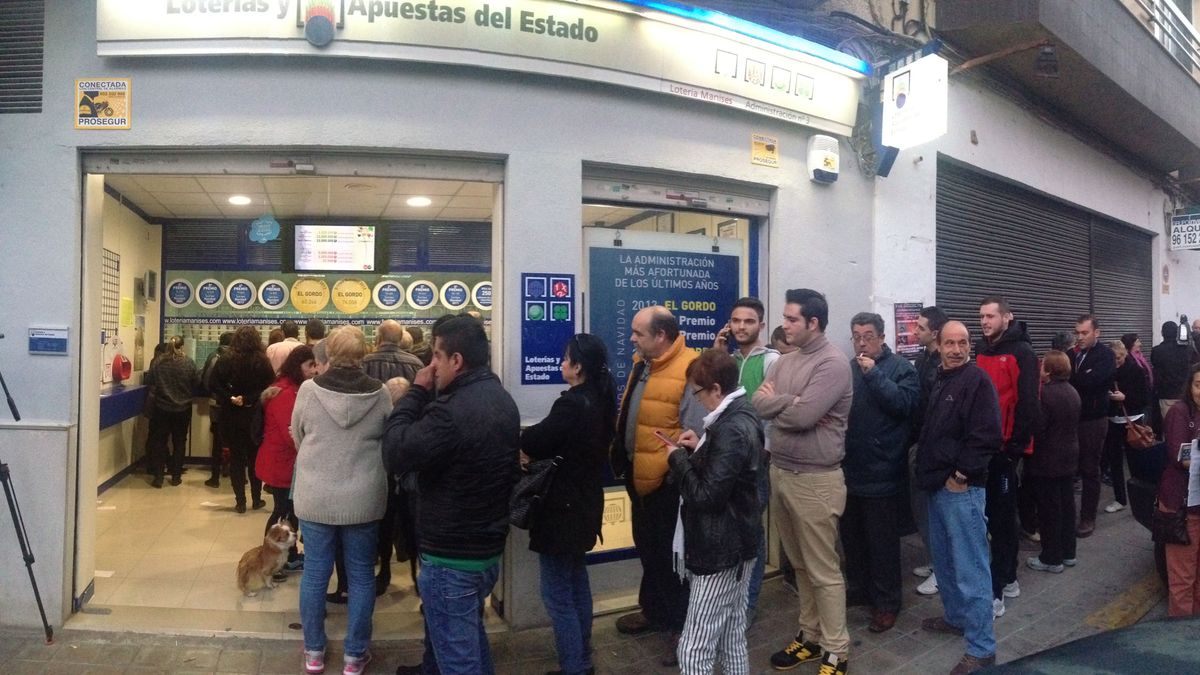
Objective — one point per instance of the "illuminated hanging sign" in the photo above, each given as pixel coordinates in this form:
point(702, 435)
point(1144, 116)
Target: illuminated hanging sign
point(657, 46)
point(915, 100)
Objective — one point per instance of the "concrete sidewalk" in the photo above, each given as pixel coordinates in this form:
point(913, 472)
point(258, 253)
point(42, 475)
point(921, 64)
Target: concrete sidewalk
point(1109, 587)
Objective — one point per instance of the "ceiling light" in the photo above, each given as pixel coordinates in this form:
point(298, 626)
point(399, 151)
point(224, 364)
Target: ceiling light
point(419, 201)
point(239, 200)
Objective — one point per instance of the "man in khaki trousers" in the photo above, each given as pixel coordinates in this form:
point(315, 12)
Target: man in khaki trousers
point(807, 397)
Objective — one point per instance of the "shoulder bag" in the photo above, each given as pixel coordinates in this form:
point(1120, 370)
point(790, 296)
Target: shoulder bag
point(530, 492)
point(1137, 436)
point(1171, 527)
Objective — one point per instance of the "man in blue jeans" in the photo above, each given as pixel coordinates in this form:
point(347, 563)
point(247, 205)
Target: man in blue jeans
point(461, 440)
point(960, 434)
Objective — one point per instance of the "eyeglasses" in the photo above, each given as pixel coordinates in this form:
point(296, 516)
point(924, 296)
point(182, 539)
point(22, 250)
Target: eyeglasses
point(866, 337)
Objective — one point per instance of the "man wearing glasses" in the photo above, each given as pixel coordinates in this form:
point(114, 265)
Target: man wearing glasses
point(886, 394)
point(806, 397)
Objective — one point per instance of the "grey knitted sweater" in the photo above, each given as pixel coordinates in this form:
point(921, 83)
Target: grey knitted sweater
point(340, 478)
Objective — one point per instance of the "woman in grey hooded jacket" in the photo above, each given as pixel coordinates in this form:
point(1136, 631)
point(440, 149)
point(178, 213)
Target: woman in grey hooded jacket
point(340, 492)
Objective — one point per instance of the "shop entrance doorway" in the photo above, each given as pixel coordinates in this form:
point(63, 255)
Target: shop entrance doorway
point(194, 255)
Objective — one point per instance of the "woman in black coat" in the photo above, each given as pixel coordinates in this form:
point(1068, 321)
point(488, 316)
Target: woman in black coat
point(1128, 398)
point(579, 429)
point(238, 380)
point(1051, 467)
point(717, 480)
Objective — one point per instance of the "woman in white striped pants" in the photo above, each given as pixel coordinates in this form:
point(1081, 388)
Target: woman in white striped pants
point(716, 539)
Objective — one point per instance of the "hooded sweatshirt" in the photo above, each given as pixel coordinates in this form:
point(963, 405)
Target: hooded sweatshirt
point(752, 369)
point(337, 424)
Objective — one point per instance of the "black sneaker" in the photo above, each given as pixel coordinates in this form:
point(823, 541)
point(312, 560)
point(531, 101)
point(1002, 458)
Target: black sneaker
point(794, 654)
point(213, 482)
point(832, 665)
point(279, 577)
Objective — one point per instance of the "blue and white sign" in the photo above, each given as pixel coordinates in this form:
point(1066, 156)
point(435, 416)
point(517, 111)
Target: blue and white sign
point(698, 288)
point(273, 294)
point(264, 228)
point(49, 341)
point(481, 296)
point(209, 293)
point(388, 295)
point(547, 322)
point(180, 293)
point(422, 294)
point(455, 295)
point(240, 293)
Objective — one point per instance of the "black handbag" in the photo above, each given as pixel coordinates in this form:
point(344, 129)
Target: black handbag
point(530, 493)
point(1169, 528)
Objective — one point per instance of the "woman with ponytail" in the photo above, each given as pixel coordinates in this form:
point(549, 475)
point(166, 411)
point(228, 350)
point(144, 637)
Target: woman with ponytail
point(578, 429)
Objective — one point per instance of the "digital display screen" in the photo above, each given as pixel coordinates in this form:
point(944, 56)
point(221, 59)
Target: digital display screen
point(335, 248)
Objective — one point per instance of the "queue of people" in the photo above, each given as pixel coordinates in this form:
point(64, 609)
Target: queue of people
point(361, 451)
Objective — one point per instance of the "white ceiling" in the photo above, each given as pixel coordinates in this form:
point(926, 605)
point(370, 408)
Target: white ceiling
point(304, 196)
point(599, 215)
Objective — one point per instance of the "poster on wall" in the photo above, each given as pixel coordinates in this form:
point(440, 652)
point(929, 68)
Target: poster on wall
point(698, 286)
point(905, 327)
point(547, 322)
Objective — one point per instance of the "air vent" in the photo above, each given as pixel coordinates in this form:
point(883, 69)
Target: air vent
point(460, 245)
point(201, 245)
point(22, 39)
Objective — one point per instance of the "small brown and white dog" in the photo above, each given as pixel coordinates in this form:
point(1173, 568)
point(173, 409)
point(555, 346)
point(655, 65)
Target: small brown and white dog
point(257, 565)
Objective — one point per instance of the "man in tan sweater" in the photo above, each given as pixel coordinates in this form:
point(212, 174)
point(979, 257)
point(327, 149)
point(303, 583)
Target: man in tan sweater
point(807, 397)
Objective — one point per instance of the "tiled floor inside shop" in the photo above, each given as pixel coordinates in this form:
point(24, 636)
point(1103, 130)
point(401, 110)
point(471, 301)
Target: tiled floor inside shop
point(159, 551)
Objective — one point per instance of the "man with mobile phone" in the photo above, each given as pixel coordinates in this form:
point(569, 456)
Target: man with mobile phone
point(754, 359)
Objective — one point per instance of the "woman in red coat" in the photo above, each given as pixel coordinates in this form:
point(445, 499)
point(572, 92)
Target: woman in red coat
point(276, 460)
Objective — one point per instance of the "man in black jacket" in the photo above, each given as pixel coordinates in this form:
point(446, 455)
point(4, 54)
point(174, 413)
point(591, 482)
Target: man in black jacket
point(1092, 366)
point(462, 443)
point(1170, 361)
point(961, 433)
point(929, 326)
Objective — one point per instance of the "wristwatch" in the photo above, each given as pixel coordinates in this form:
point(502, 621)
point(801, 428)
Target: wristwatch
point(958, 477)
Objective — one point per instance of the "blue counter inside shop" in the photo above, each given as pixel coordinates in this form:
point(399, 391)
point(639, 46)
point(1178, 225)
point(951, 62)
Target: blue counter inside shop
point(118, 404)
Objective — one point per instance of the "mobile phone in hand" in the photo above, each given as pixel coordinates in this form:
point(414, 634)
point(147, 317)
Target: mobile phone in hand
point(667, 441)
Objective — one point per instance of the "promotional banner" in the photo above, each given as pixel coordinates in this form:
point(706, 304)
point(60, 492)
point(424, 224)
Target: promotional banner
point(242, 297)
point(664, 47)
point(905, 328)
point(547, 322)
point(698, 288)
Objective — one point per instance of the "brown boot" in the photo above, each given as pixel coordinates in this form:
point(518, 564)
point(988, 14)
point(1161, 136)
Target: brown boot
point(634, 624)
point(882, 621)
point(970, 664)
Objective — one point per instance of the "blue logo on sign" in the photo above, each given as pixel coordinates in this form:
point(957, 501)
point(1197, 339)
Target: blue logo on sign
point(241, 294)
point(456, 295)
point(483, 296)
point(209, 294)
point(264, 228)
point(389, 295)
point(274, 295)
point(423, 295)
point(180, 293)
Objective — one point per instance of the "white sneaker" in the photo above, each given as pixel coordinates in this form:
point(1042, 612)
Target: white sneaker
point(997, 608)
point(924, 571)
point(1012, 590)
point(929, 586)
point(1114, 507)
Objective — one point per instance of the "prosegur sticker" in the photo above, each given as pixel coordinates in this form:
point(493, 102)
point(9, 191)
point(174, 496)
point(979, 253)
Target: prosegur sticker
point(103, 103)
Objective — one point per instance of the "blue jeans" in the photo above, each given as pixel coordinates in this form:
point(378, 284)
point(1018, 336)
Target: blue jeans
point(455, 642)
point(359, 543)
point(760, 563)
point(958, 542)
point(568, 599)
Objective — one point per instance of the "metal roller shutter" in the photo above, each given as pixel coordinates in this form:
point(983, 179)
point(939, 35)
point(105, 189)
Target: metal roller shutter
point(1053, 262)
point(1122, 281)
point(996, 239)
